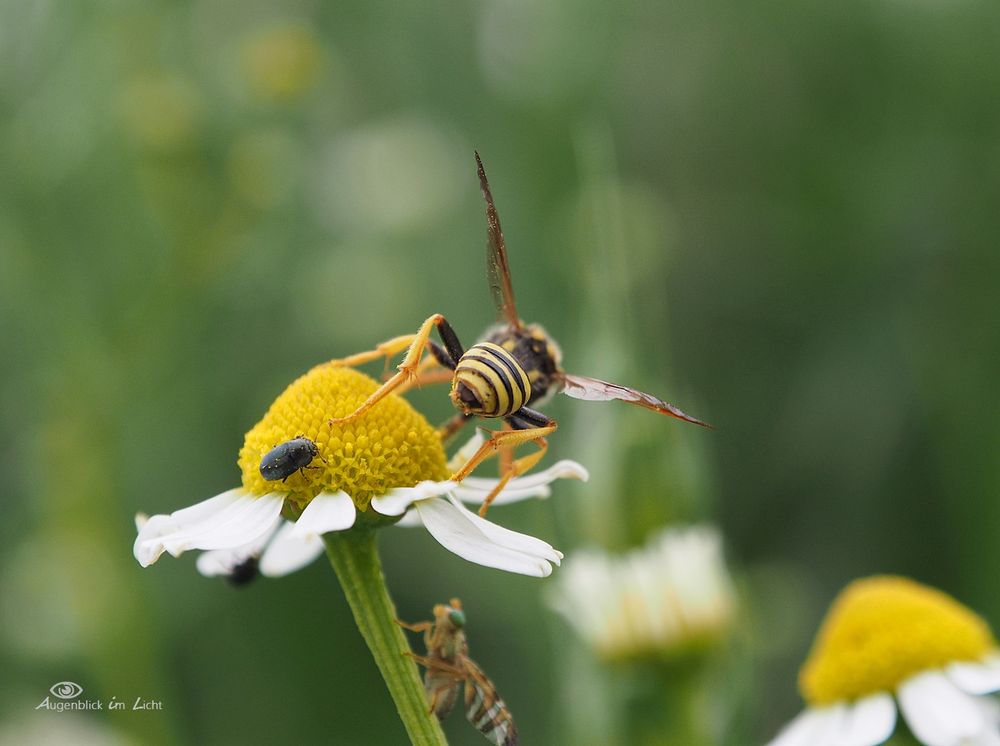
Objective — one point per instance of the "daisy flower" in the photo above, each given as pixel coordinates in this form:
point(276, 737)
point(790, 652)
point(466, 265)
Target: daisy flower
point(372, 470)
point(888, 642)
point(672, 594)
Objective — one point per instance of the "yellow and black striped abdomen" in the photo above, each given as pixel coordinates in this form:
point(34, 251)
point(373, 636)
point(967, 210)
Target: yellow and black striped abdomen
point(489, 382)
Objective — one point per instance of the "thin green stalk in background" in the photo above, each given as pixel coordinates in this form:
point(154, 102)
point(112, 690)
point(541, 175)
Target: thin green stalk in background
point(354, 556)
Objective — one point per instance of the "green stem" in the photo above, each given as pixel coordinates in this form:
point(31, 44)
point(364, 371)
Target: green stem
point(354, 556)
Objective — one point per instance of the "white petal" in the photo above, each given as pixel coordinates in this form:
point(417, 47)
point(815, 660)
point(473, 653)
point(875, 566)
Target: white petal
point(467, 451)
point(937, 711)
point(328, 511)
point(565, 469)
point(146, 549)
point(451, 526)
point(813, 727)
point(225, 521)
point(976, 678)
point(475, 489)
point(990, 735)
point(868, 722)
point(287, 553)
point(410, 520)
point(476, 495)
point(222, 561)
point(218, 562)
point(396, 501)
point(504, 537)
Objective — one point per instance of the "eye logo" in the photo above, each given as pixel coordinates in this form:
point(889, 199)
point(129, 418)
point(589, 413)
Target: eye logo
point(66, 690)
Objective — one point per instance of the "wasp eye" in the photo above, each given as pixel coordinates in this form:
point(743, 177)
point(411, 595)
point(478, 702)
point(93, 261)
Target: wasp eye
point(457, 617)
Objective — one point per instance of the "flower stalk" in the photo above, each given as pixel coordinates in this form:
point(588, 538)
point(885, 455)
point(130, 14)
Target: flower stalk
point(354, 556)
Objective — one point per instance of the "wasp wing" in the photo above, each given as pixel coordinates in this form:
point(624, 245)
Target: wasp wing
point(484, 708)
point(594, 389)
point(497, 267)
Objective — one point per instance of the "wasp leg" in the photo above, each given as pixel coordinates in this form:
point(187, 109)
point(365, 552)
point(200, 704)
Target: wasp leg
point(508, 438)
point(451, 343)
point(437, 664)
point(451, 428)
point(433, 369)
point(442, 355)
point(516, 468)
point(426, 627)
point(416, 626)
point(498, 440)
point(525, 419)
point(522, 420)
point(429, 378)
point(422, 660)
point(506, 454)
point(385, 349)
point(408, 368)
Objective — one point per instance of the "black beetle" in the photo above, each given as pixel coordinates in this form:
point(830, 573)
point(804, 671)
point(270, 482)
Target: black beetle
point(286, 458)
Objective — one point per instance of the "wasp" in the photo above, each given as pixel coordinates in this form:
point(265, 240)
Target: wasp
point(448, 666)
point(515, 364)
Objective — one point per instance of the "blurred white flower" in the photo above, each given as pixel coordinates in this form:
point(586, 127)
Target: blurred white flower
point(67, 728)
point(391, 176)
point(673, 594)
point(544, 54)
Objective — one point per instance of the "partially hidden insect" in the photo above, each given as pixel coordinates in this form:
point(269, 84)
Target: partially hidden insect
point(448, 667)
point(244, 572)
point(287, 458)
point(515, 364)
point(242, 568)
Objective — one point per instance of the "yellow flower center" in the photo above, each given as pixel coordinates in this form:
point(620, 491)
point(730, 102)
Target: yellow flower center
point(882, 630)
point(391, 445)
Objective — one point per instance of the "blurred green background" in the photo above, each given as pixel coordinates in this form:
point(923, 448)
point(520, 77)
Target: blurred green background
point(780, 216)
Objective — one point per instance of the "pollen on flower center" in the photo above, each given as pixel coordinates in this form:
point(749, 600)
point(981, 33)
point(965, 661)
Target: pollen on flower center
point(882, 630)
point(391, 445)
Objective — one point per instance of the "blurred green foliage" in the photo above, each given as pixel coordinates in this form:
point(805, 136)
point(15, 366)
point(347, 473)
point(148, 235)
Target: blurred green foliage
point(781, 216)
